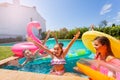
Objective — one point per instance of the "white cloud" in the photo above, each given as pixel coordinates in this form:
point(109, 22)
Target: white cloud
point(105, 9)
point(110, 23)
point(115, 20)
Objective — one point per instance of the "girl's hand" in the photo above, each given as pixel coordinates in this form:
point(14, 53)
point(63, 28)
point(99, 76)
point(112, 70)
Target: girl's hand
point(30, 39)
point(77, 35)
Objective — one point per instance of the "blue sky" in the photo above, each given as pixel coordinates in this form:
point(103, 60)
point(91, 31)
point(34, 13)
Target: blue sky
point(75, 13)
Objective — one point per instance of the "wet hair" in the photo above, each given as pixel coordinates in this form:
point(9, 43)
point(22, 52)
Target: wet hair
point(24, 51)
point(61, 44)
point(105, 41)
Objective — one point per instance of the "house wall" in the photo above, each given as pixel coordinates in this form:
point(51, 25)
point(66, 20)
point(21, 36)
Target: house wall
point(14, 18)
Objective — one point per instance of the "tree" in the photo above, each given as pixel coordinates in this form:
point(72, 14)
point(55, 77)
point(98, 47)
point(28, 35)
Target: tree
point(19, 38)
point(113, 25)
point(63, 33)
point(103, 23)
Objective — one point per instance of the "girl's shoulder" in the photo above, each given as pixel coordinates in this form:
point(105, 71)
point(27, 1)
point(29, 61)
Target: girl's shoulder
point(109, 58)
point(113, 60)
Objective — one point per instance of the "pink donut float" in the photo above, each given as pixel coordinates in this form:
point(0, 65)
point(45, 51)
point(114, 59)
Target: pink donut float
point(19, 47)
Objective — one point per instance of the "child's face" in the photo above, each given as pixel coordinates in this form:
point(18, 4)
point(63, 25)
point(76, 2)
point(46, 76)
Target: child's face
point(28, 54)
point(57, 50)
point(99, 47)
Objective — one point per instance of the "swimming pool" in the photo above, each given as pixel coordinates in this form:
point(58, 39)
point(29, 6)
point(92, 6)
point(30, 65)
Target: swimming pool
point(7, 44)
point(42, 65)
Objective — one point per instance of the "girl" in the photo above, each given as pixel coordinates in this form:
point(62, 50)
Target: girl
point(58, 55)
point(104, 53)
point(102, 46)
point(28, 55)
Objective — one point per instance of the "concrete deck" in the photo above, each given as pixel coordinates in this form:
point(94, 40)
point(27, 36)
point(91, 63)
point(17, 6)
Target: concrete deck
point(20, 75)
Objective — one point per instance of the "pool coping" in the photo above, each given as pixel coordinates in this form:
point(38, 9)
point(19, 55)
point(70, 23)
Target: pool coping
point(20, 75)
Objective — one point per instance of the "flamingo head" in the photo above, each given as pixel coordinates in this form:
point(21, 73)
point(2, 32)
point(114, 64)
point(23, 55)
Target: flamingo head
point(35, 24)
point(32, 24)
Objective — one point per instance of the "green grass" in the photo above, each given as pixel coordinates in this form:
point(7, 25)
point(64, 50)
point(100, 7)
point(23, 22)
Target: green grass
point(5, 52)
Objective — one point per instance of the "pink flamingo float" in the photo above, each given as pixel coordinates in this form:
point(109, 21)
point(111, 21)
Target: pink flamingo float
point(19, 47)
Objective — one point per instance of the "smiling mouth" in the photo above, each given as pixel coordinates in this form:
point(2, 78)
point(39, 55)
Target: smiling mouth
point(96, 49)
point(57, 54)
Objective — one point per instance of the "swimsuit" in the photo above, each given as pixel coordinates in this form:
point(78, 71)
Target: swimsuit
point(97, 56)
point(58, 61)
point(115, 62)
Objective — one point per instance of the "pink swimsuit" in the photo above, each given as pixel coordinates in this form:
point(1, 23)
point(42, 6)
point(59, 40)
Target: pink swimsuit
point(116, 63)
point(57, 61)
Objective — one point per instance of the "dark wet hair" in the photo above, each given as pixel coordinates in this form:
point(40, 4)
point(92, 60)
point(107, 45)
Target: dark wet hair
point(61, 44)
point(25, 50)
point(105, 41)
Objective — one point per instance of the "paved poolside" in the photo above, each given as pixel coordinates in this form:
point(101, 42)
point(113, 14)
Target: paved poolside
point(6, 74)
point(20, 75)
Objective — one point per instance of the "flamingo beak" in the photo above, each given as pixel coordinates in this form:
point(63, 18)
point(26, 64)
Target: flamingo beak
point(40, 31)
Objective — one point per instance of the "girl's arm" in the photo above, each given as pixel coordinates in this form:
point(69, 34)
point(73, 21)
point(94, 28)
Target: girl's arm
point(55, 38)
point(41, 46)
point(48, 34)
point(92, 27)
point(36, 52)
point(70, 44)
point(53, 34)
point(24, 63)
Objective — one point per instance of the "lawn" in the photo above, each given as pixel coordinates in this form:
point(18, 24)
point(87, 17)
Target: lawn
point(5, 52)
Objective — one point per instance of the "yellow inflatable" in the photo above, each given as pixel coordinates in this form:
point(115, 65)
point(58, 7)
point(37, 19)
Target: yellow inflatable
point(94, 75)
point(89, 36)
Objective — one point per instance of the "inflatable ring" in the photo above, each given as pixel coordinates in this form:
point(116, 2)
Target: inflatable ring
point(81, 52)
point(89, 36)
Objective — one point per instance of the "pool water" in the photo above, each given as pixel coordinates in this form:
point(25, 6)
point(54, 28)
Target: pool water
point(78, 44)
point(42, 65)
point(7, 44)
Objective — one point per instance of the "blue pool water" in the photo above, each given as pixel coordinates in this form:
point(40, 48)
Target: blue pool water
point(78, 44)
point(42, 65)
point(7, 44)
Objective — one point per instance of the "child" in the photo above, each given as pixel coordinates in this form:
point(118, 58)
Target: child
point(28, 55)
point(58, 55)
point(103, 51)
point(103, 48)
